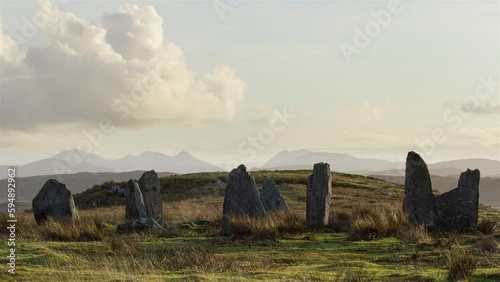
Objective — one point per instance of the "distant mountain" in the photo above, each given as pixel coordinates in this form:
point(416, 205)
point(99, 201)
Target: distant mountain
point(28, 187)
point(76, 161)
point(305, 159)
point(489, 188)
point(180, 163)
point(401, 172)
point(487, 167)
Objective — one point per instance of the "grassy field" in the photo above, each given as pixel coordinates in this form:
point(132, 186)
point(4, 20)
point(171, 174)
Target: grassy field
point(367, 239)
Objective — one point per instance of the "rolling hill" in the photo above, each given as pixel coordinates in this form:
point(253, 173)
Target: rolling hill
point(28, 187)
point(76, 161)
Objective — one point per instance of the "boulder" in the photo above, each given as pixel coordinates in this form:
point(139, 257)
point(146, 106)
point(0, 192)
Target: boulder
point(151, 193)
point(241, 197)
point(134, 203)
point(54, 200)
point(271, 198)
point(418, 202)
point(117, 190)
point(319, 188)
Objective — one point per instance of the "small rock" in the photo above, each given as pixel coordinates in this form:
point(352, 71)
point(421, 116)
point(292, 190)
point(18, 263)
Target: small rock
point(271, 197)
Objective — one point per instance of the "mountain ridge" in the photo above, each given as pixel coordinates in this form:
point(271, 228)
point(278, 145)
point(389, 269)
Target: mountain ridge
point(75, 161)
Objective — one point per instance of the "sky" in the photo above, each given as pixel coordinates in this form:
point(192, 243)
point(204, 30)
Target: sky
point(239, 81)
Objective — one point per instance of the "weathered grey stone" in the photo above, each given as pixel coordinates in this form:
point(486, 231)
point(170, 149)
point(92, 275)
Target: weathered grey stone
point(271, 198)
point(134, 203)
point(453, 211)
point(117, 190)
point(219, 183)
point(418, 191)
point(241, 197)
point(151, 193)
point(138, 225)
point(319, 189)
point(457, 210)
point(54, 200)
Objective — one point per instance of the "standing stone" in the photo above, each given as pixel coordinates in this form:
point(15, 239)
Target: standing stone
point(150, 189)
point(418, 202)
point(271, 197)
point(319, 188)
point(54, 200)
point(134, 203)
point(241, 197)
point(457, 210)
point(453, 211)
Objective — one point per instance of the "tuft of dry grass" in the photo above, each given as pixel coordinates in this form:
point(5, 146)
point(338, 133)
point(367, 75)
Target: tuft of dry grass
point(414, 234)
point(487, 245)
point(487, 226)
point(460, 264)
point(89, 226)
point(275, 226)
point(339, 221)
point(372, 222)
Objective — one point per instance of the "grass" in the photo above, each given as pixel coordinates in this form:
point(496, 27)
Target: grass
point(460, 265)
point(367, 239)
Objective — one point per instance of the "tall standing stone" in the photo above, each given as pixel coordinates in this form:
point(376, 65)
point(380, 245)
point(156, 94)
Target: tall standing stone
point(457, 210)
point(134, 203)
point(271, 197)
point(241, 197)
point(151, 193)
point(54, 200)
point(319, 188)
point(418, 202)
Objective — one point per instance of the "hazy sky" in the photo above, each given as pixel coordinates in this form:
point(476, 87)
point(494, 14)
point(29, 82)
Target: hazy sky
point(374, 79)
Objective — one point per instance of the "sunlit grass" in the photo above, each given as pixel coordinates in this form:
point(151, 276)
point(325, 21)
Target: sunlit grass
point(278, 248)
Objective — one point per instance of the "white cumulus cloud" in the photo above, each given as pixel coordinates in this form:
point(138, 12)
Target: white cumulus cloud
point(125, 71)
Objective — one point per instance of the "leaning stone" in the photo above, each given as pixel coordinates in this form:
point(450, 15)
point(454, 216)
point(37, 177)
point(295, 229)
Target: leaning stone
point(418, 202)
point(319, 188)
point(241, 197)
point(271, 197)
point(54, 200)
point(457, 210)
point(134, 203)
point(151, 193)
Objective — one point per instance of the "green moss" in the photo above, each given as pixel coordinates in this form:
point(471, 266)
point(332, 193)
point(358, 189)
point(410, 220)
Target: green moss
point(326, 256)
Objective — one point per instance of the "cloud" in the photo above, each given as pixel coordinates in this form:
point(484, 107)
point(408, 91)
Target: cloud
point(356, 137)
point(474, 107)
point(376, 110)
point(262, 114)
point(488, 136)
point(124, 71)
point(483, 107)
